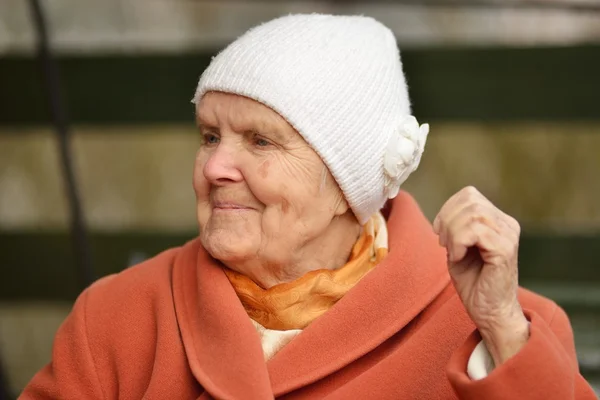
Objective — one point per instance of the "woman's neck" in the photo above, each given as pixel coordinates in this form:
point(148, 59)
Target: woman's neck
point(329, 250)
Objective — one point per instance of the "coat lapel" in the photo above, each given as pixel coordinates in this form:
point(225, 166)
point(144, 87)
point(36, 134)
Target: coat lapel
point(380, 305)
point(222, 347)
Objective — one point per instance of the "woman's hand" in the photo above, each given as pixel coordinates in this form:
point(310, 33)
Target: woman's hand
point(482, 244)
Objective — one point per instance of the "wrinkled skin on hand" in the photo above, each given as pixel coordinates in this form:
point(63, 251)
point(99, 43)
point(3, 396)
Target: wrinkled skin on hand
point(482, 244)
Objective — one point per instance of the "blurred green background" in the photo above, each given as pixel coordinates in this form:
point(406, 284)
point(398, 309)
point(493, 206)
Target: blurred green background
point(511, 94)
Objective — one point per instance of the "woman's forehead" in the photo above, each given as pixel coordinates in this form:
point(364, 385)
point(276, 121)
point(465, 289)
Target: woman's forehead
point(239, 113)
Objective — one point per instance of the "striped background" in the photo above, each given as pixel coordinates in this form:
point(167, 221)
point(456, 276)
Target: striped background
point(521, 123)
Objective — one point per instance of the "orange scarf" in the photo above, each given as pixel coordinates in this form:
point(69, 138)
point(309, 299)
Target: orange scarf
point(294, 305)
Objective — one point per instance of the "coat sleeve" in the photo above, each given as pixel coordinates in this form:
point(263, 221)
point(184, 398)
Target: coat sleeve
point(71, 374)
point(545, 368)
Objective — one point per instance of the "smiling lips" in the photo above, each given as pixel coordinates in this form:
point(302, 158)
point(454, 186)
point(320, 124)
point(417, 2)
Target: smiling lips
point(229, 206)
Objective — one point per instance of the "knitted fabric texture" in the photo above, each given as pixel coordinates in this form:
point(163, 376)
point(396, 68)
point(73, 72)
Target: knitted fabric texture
point(338, 81)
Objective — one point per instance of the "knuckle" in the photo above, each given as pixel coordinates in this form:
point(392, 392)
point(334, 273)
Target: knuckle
point(515, 224)
point(470, 191)
point(440, 220)
point(477, 218)
point(511, 223)
point(477, 213)
point(476, 208)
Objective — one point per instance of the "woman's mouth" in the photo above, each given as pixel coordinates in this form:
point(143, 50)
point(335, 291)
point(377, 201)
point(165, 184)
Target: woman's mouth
point(228, 206)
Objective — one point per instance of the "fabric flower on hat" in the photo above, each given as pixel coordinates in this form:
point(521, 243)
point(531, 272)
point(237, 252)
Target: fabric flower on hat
point(403, 153)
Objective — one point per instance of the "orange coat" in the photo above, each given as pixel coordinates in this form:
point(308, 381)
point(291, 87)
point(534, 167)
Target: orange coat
point(173, 328)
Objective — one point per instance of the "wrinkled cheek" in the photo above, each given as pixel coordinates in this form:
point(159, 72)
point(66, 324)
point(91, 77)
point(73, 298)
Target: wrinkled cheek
point(273, 194)
point(199, 182)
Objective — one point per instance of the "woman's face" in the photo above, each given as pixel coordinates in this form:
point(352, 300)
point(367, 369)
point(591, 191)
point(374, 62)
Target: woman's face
point(263, 195)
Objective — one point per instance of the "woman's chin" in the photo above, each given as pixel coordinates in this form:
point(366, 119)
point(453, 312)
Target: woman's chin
point(228, 247)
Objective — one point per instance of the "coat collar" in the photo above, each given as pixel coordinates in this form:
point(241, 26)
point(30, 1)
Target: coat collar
point(223, 347)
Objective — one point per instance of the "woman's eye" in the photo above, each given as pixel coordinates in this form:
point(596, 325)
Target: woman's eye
point(211, 139)
point(261, 142)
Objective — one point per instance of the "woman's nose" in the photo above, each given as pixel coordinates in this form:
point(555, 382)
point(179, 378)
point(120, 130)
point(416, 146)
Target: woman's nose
point(221, 167)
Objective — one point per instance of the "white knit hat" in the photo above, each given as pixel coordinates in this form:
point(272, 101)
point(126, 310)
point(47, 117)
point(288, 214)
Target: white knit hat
point(338, 81)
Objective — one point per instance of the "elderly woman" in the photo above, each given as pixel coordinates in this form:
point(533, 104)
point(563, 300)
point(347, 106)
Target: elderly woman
point(305, 282)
